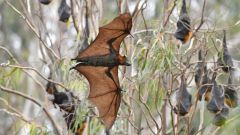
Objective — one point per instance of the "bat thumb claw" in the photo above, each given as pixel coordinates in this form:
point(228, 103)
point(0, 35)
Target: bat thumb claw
point(71, 68)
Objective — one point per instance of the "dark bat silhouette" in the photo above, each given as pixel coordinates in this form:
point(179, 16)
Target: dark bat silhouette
point(45, 2)
point(220, 119)
point(185, 101)
point(70, 119)
point(64, 11)
point(225, 59)
point(86, 35)
point(99, 64)
point(216, 101)
point(62, 99)
point(183, 32)
point(206, 79)
point(231, 96)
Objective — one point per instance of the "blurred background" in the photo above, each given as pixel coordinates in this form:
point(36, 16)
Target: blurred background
point(35, 42)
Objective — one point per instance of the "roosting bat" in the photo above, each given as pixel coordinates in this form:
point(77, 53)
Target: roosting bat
point(206, 79)
point(45, 2)
point(231, 96)
point(62, 99)
point(216, 101)
point(70, 119)
point(185, 99)
point(99, 64)
point(220, 119)
point(183, 32)
point(225, 59)
point(86, 36)
point(64, 11)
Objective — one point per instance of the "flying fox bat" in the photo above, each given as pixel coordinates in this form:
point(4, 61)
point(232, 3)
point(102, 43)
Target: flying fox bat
point(216, 101)
point(86, 35)
point(64, 11)
point(225, 59)
point(70, 119)
point(220, 119)
point(185, 99)
point(99, 64)
point(45, 2)
point(231, 96)
point(183, 32)
point(62, 99)
point(206, 79)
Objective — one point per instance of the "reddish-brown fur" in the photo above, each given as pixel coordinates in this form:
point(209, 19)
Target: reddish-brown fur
point(80, 131)
point(120, 59)
point(187, 37)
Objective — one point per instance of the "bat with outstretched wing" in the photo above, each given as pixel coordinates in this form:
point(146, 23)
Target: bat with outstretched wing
point(99, 64)
point(206, 79)
point(231, 96)
point(183, 32)
point(225, 59)
point(220, 119)
point(184, 105)
point(45, 2)
point(64, 11)
point(216, 101)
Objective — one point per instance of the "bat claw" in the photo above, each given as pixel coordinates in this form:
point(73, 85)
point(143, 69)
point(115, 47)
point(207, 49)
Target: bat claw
point(71, 68)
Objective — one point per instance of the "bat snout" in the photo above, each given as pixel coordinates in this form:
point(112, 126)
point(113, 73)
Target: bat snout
point(128, 63)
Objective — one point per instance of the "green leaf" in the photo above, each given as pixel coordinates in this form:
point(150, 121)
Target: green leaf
point(78, 35)
point(105, 21)
point(42, 106)
point(221, 56)
point(33, 130)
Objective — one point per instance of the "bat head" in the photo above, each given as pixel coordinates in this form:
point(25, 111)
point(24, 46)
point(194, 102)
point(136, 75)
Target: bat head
point(123, 60)
point(45, 2)
point(64, 11)
point(220, 119)
point(230, 93)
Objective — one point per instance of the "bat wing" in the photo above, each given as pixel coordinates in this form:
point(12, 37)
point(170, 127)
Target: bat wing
point(216, 102)
point(231, 97)
point(185, 101)
point(103, 91)
point(110, 34)
point(64, 11)
point(183, 32)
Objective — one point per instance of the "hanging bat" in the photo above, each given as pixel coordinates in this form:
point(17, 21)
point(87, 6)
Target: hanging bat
point(86, 36)
point(99, 64)
point(64, 11)
point(86, 33)
point(206, 79)
point(70, 119)
point(185, 101)
point(220, 119)
point(63, 100)
point(183, 32)
point(45, 2)
point(216, 101)
point(225, 59)
point(231, 96)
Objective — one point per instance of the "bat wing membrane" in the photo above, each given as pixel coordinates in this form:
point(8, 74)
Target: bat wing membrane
point(103, 91)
